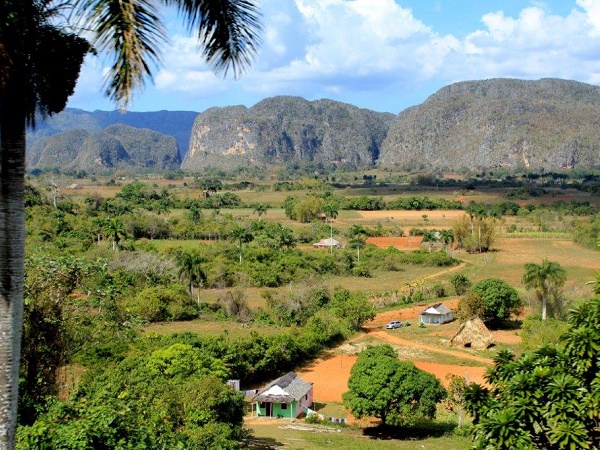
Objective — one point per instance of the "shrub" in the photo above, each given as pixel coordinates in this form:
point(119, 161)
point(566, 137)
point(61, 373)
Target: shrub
point(460, 283)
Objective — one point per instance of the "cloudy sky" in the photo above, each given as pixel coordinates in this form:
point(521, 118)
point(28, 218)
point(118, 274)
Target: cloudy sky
point(383, 55)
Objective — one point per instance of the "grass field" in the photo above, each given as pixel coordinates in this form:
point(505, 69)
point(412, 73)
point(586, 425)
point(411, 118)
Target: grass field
point(273, 434)
point(427, 347)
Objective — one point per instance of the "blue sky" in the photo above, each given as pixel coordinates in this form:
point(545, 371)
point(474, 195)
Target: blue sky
point(384, 55)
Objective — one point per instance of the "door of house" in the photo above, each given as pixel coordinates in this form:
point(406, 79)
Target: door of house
point(269, 409)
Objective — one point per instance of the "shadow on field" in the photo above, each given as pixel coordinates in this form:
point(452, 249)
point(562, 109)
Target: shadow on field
point(419, 431)
point(262, 444)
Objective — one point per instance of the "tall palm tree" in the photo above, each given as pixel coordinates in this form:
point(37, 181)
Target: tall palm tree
point(547, 279)
point(330, 210)
point(115, 230)
point(190, 270)
point(241, 235)
point(42, 46)
point(357, 238)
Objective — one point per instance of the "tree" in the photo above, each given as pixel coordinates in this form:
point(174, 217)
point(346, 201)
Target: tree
point(331, 211)
point(40, 58)
point(357, 235)
point(115, 230)
point(260, 208)
point(241, 235)
point(190, 270)
point(284, 238)
point(194, 213)
point(547, 399)
point(396, 392)
point(353, 307)
point(474, 232)
point(547, 279)
point(492, 299)
point(461, 283)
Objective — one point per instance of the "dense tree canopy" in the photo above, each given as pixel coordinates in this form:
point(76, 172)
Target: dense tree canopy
point(396, 392)
point(547, 399)
point(491, 299)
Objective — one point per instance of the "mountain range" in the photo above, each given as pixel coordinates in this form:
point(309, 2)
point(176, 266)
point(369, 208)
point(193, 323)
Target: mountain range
point(546, 124)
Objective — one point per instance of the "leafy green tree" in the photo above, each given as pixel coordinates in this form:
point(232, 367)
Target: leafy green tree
point(498, 300)
point(260, 208)
point(461, 283)
point(307, 209)
point(456, 396)
point(172, 397)
point(43, 49)
point(353, 307)
point(160, 303)
point(547, 279)
point(396, 392)
point(547, 399)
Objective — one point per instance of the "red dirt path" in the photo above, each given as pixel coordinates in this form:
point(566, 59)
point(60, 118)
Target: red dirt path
point(330, 373)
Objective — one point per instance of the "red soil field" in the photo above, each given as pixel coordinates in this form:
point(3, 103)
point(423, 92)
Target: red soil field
point(330, 373)
point(401, 243)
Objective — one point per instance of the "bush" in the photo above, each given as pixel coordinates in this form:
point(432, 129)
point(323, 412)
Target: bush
point(460, 283)
point(160, 303)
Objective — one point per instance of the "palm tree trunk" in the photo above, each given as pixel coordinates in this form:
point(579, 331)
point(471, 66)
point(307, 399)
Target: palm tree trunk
point(544, 307)
point(12, 249)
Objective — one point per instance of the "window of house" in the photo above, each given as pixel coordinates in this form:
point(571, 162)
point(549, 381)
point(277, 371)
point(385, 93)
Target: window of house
point(284, 406)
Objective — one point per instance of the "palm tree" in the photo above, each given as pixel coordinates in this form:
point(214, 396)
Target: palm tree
point(241, 235)
point(357, 235)
point(190, 271)
point(446, 237)
point(547, 279)
point(115, 230)
point(331, 212)
point(194, 213)
point(41, 53)
point(260, 208)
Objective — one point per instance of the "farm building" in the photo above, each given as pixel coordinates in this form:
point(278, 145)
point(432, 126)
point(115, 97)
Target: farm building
point(473, 333)
point(284, 397)
point(327, 243)
point(437, 313)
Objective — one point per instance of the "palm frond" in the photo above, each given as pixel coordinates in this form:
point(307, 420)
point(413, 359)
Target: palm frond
point(228, 31)
point(132, 32)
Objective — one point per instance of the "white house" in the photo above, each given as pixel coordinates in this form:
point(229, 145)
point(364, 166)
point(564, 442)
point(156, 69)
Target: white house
point(437, 313)
point(327, 243)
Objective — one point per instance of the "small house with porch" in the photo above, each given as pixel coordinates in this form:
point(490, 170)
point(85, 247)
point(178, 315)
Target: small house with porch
point(284, 397)
point(436, 314)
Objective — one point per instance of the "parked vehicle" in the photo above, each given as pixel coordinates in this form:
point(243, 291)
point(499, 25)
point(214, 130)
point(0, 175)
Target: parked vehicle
point(394, 324)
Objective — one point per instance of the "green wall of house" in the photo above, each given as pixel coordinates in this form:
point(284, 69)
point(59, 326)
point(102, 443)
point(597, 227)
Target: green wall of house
point(290, 412)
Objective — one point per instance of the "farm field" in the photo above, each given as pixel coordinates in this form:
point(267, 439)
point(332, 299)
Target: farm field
point(246, 284)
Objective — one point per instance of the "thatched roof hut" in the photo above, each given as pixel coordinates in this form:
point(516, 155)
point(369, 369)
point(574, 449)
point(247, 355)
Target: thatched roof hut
point(473, 333)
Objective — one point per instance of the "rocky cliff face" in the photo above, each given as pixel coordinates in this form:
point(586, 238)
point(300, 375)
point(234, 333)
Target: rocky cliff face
point(283, 129)
point(174, 123)
point(116, 147)
point(549, 124)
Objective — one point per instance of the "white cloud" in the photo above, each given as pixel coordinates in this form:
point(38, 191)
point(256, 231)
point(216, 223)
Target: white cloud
point(592, 9)
point(341, 48)
point(533, 45)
